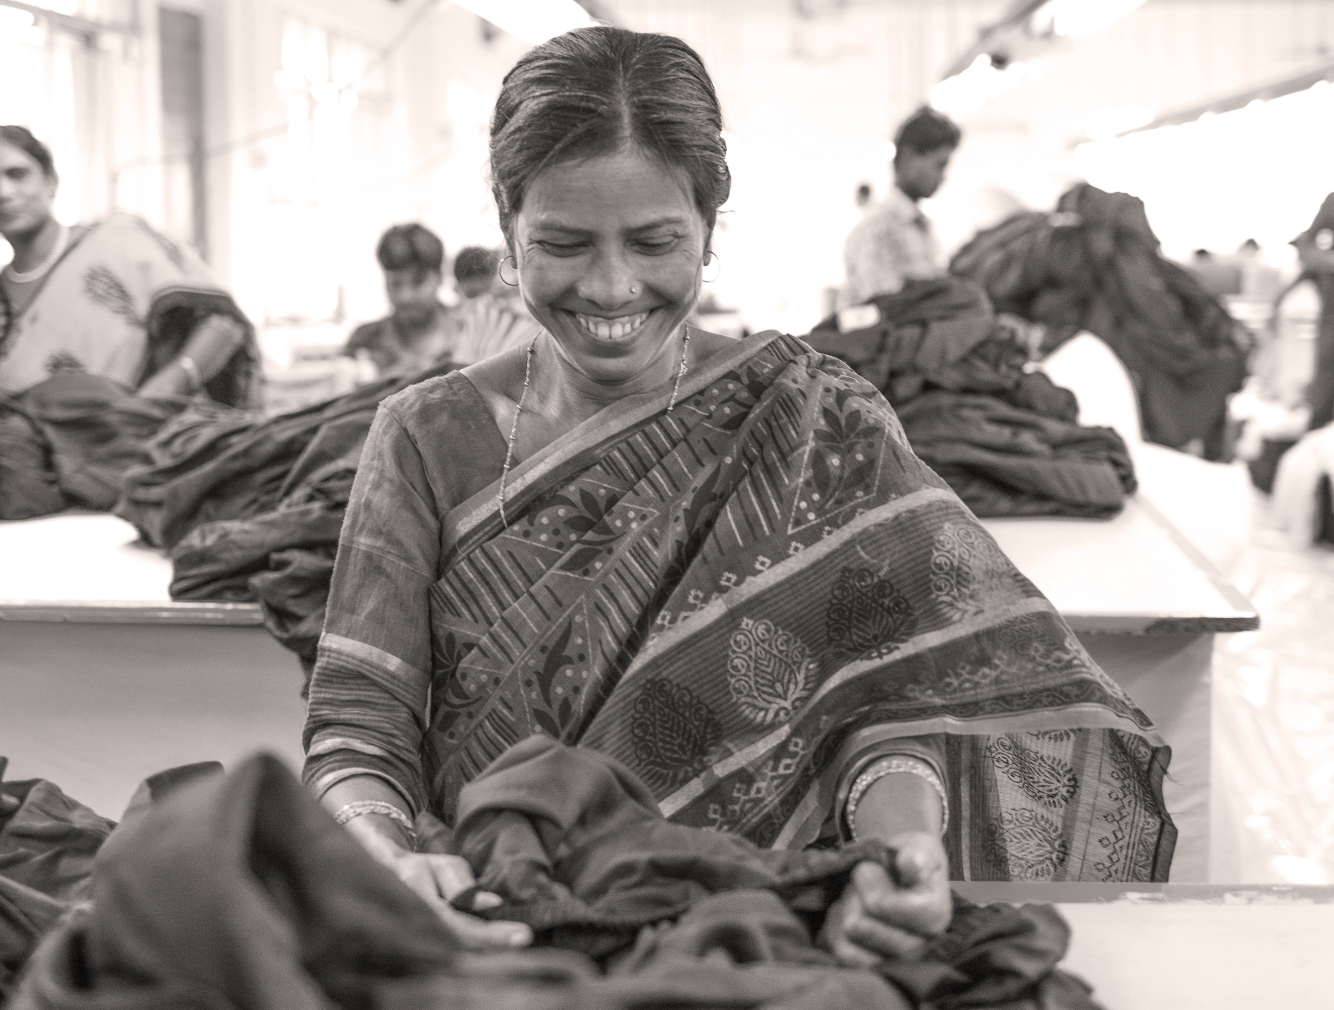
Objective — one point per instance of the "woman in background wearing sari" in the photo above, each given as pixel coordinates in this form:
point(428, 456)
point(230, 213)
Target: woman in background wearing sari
point(115, 298)
point(717, 561)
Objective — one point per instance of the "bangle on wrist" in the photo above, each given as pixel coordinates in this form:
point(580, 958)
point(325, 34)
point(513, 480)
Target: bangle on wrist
point(890, 766)
point(191, 371)
point(348, 811)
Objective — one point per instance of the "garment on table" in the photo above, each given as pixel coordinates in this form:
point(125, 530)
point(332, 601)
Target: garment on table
point(47, 845)
point(1007, 441)
point(1095, 265)
point(239, 891)
point(69, 441)
point(399, 350)
point(250, 507)
point(722, 598)
point(894, 242)
point(120, 303)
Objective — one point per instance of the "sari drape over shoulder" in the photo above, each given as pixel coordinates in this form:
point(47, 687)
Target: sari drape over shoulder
point(737, 600)
point(120, 303)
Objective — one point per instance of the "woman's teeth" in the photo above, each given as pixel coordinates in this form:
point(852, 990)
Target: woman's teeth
point(611, 329)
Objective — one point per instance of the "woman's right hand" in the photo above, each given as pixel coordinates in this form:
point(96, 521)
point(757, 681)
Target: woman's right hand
point(437, 879)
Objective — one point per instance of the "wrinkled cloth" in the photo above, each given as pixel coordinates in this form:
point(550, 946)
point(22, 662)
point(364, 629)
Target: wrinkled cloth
point(250, 507)
point(1007, 441)
point(729, 599)
point(69, 441)
point(1095, 265)
point(47, 845)
point(239, 891)
point(120, 303)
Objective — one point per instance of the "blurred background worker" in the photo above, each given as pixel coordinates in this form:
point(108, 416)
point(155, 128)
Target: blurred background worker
point(894, 241)
point(421, 331)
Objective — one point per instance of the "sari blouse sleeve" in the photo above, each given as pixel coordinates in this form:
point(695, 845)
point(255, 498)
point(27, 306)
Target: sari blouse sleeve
point(369, 690)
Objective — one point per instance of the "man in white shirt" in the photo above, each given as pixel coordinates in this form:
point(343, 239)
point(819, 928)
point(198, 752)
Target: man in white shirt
point(894, 241)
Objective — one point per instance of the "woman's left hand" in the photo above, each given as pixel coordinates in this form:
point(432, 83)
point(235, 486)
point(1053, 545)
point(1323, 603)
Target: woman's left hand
point(877, 918)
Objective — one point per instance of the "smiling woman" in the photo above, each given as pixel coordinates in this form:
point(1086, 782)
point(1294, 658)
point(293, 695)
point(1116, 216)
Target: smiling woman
point(716, 561)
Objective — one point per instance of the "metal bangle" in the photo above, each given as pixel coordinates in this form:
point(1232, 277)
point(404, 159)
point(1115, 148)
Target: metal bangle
point(889, 766)
point(191, 370)
point(348, 811)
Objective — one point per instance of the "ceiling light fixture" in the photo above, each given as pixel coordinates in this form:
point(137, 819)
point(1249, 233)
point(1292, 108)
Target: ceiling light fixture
point(532, 21)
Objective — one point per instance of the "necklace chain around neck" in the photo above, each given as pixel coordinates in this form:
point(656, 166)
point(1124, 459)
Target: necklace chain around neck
point(527, 380)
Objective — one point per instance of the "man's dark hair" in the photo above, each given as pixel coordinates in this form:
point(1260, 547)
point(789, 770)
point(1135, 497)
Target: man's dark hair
point(926, 130)
point(474, 261)
point(410, 247)
point(22, 138)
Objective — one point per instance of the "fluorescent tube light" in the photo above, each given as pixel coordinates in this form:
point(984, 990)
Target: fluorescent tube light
point(533, 21)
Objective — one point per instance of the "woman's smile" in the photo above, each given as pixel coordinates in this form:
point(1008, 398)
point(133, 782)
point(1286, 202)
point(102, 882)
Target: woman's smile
point(615, 329)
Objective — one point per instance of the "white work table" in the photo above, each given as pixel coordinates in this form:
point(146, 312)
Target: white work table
point(113, 680)
point(1146, 604)
point(106, 680)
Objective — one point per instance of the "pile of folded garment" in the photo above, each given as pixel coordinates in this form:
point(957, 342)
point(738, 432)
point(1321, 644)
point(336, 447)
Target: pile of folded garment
point(240, 891)
point(1005, 439)
point(68, 441)
point(250, 508)
point(1095, 266)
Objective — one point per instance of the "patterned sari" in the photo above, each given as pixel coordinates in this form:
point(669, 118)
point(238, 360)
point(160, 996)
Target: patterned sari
point(736, 598)
point(120, 303)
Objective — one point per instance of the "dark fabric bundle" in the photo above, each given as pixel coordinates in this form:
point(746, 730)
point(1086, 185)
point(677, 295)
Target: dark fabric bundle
point(1006, 440)
point(47, 845)
point(1094, 265)
point(68, 442)
point(239, 891)
point(250, 508)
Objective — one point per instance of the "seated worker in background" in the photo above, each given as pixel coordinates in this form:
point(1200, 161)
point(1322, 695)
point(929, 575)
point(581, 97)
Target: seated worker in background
point(894, 241)
point(112, 298)
point(420, 331)
point(492, 318)
point(1315, 251)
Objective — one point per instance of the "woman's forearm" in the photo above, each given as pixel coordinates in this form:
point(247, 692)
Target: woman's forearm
point(898, 802)
point(208, 349)
point(379, 833)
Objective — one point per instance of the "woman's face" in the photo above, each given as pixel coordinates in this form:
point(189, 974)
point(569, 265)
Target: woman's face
point(26, 192)
point(610, 254)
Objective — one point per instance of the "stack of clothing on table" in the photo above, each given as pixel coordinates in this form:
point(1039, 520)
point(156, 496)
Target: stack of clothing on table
point(1005, 439)
point(250, 508)
point(239, 891)
point(1095, 265)
point(67, 442)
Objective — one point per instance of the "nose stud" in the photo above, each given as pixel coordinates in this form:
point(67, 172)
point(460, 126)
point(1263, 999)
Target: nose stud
point(634, 290)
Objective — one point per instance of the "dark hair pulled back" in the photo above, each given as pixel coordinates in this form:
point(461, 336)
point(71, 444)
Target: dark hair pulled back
point(22, 138)
point(596, 91)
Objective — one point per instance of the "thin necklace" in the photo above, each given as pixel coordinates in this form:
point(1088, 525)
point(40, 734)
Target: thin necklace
point(527, 377)
point(42, 268)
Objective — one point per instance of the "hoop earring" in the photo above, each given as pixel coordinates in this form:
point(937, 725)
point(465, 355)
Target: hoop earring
point(500, 271)
point(711, 257)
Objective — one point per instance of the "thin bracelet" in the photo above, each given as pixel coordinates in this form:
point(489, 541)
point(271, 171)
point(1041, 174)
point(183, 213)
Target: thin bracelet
point(889, 766)
point(191, 370)
point(350, 810)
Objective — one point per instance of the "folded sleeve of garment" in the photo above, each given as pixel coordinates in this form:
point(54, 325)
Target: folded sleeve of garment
point(368, 693)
